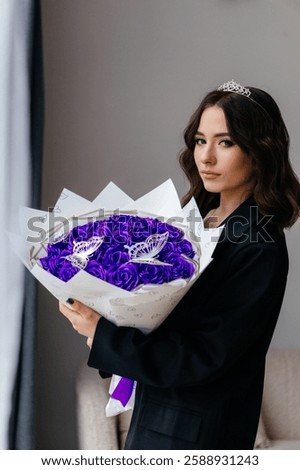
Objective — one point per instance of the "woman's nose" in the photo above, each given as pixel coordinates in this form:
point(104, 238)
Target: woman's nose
point(207, 155)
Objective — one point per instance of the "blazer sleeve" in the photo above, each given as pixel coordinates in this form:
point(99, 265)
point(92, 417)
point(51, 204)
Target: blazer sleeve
point(208, 339)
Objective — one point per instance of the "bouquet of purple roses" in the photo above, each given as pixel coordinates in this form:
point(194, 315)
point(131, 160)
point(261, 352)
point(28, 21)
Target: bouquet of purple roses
point(124, 250)
point(132, 261)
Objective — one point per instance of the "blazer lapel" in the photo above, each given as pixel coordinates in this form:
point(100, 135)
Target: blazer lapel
point(237, 225)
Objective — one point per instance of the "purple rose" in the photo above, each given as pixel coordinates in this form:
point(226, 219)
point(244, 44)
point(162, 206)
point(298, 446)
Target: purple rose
point(45, 263)
point(151, 273)
point(120, 233)
point(95, 269)
point(56, 264)
point(79, 233)
point(66, 271)
point(125, 277)
point(180, 268)
point(52, 262)
point(175, 233)
point(170, 247)
point(141, 228)
point(183, 247)
point(116, 230)
point(114, 257)
point(186, 248)
point(86, 231)
point(55, 249)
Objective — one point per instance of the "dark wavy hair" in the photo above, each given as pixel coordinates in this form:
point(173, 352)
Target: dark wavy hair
point(256, 125)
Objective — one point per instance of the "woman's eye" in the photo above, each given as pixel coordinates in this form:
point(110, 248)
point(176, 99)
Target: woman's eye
point(227, 143)
point(200, 141)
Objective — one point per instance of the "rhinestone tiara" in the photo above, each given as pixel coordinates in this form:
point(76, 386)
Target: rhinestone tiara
point(235, 87)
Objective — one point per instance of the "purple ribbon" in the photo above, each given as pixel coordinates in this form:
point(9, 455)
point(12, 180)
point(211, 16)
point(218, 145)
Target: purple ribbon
point(123, 390)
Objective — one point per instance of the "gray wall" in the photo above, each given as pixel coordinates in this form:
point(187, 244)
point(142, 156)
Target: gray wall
point(122, 79)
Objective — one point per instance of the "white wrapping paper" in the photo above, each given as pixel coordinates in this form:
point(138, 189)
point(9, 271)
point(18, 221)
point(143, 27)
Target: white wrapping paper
point(144, 308)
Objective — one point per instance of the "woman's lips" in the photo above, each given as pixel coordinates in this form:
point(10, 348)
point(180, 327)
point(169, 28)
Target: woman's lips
point(209, 175)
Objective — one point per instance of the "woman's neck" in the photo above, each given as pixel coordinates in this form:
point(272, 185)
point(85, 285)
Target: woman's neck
point(230, 202)
point(227, 206)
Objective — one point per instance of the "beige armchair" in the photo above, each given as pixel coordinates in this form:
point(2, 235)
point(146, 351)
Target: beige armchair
point(280, 415)
point(279, 426)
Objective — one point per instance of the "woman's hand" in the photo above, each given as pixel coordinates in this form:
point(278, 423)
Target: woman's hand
point(84, 320)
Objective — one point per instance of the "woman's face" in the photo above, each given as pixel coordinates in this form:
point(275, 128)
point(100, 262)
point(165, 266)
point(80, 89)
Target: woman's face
point(223, 166)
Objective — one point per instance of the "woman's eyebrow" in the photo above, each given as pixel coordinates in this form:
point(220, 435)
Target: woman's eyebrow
point(219, 134)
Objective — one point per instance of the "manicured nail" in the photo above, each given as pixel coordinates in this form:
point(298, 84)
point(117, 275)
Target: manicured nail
point(70, 301)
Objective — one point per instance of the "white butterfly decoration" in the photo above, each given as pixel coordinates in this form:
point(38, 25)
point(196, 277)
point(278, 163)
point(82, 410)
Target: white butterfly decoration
point(83, 250)
point(145, 252)
point(59, 237)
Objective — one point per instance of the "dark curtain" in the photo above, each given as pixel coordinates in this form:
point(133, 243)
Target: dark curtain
point(21, 431)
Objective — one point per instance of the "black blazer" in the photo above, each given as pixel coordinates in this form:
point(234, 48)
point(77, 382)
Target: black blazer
point(200, 374)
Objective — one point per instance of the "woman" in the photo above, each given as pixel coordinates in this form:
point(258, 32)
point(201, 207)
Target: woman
point(200, 374)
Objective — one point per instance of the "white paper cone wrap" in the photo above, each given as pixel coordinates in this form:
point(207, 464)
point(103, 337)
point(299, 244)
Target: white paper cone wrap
point(146, 307)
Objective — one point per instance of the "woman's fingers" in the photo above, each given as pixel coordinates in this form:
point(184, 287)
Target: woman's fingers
point(84, 320)
point(68, 312)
